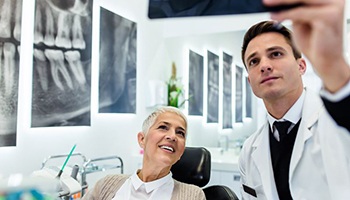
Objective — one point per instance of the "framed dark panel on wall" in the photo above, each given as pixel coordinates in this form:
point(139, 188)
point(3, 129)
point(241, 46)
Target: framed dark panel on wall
point(189, 8)
point(227, 91)
point(195, 84)
point(248, 99)
point(239, 95)
point(11, 23)
point(61, 94)
point(213, 88)
point(117, 75)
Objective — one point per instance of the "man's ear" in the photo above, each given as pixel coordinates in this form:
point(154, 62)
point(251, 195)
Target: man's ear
point(302, 65)
point(141, 139)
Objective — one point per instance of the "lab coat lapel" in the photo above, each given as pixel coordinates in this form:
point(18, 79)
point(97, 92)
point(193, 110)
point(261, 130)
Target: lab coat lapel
point(262, 160)
point(309, 118)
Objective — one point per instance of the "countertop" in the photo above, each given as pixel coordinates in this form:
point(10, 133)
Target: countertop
point(222, 160)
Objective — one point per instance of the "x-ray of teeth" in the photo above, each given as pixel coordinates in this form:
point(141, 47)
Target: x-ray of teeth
point(195, 91)
point(62, 63)
point(10, 34)
point(227, 91)
point(213, 88)
point(189, 8)
point(239, 94)
point(117, 84)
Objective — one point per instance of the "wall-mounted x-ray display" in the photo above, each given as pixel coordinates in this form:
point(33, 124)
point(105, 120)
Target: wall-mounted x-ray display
point(213, 88)
point(195, 77)
point(189, 8)
point(248, 99)
point(62, 63)
point(227, 91)
point(117, 77)
point(239, 95)
point(10, 35)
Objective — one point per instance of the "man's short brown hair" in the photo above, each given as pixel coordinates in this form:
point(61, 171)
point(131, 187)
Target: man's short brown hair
point(267, 27)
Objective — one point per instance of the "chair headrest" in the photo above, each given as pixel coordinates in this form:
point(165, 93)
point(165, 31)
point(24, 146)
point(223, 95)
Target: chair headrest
point(193, 167)
point(219, 192)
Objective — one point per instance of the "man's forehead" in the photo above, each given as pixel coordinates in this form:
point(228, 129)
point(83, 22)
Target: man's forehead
point(268, 39)
point(266, 42)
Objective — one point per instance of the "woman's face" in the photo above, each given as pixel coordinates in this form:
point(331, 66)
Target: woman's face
point(165, 141)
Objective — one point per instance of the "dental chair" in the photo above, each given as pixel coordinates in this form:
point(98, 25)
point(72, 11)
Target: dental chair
point(194, 168)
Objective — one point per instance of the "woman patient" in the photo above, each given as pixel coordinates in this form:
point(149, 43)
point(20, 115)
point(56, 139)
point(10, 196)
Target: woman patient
point(163, 140)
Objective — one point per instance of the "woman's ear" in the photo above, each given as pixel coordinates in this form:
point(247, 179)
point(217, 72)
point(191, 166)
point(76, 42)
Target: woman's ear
point(141, 139)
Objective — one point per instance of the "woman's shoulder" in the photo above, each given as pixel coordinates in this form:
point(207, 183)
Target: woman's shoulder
point(113, 181)
point(106, 187)
point(114, 178)
point(185, 185)
point(187, 191)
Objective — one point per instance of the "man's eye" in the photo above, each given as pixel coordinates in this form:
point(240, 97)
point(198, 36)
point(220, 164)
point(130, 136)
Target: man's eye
point(276, 54)
point(253, 62)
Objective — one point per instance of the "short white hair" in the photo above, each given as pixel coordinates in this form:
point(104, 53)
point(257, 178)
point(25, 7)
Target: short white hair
point(151, 119)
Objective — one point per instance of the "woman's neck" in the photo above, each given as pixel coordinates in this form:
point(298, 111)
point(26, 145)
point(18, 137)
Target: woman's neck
point(152, 175)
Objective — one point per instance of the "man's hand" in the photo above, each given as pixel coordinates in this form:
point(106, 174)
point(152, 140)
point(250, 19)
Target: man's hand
point(318, 31)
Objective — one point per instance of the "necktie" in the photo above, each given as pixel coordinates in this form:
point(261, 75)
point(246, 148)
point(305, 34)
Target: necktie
point(282, 128)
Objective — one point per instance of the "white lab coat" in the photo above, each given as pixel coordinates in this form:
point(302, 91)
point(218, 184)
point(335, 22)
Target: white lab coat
point(320, 162)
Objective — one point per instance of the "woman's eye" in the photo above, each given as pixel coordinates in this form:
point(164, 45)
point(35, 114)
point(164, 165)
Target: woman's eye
point(163, 127)
point(183, 134)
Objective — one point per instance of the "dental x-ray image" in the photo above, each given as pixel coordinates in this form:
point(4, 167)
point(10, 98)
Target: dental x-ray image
point(195, 89)
point(227, 91)
point(117, 77)
point(62, 63)
point(10, 35)
point(239, 94)
point(189, 8)
point(213, 88)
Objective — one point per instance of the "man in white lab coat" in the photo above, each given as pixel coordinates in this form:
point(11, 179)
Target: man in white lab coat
point(310, 159)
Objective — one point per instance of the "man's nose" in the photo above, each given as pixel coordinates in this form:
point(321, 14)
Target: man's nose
point(265, 65)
